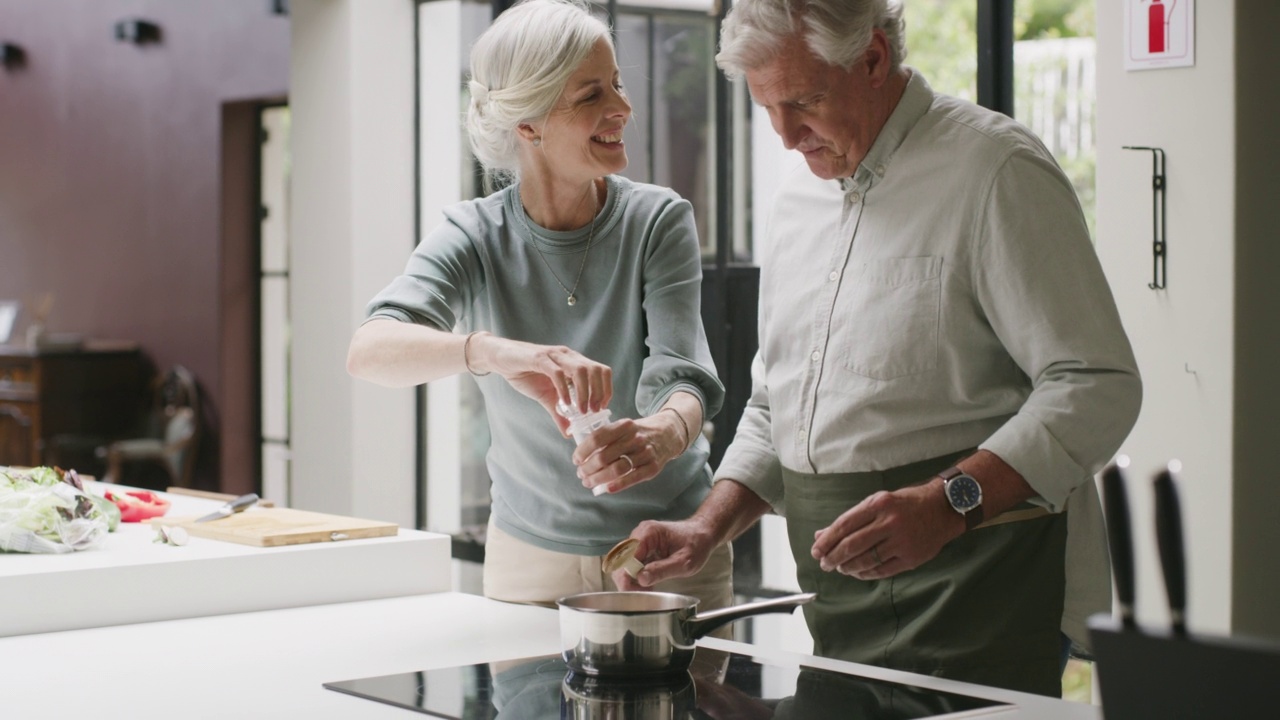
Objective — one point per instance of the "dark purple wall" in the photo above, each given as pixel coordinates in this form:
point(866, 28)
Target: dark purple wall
point(111, 182)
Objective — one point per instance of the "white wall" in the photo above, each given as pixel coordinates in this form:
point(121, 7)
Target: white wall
point(1185, 414)
point(352, 230)
point(1189, 337)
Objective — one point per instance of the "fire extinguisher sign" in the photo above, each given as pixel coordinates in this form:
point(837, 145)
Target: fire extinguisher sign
point(1159, 34)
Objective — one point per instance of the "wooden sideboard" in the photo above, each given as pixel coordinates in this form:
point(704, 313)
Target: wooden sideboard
point(95, 391)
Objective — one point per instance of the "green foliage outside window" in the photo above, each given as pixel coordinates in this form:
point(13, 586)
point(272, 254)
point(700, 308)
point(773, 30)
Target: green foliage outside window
point(942, 44)
point(1039, 19)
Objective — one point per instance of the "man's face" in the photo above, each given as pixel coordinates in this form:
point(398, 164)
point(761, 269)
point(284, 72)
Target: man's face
point(829, 114)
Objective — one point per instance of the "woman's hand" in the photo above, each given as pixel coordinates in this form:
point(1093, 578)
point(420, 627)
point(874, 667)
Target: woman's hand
point(628, 452)
point(544, 373)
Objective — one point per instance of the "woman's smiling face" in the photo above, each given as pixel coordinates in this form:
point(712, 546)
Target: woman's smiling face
point(582, 136)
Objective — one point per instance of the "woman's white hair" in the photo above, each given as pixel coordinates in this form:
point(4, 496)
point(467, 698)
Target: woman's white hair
point(519, 68)
point(837, 31)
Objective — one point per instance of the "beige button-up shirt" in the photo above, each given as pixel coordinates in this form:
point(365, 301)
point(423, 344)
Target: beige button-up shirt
point(946, 296)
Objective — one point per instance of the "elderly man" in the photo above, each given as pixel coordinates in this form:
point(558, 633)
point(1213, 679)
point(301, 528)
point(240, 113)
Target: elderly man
point(941, 369)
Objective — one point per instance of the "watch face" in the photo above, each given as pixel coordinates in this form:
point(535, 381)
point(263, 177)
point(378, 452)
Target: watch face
point(964, 493)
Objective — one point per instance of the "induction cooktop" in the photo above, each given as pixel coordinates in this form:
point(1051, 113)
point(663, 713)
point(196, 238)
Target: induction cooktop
point(718, 685)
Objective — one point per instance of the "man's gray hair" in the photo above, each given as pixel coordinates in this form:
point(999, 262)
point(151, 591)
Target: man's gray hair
point(837, 31)
point(519, 68)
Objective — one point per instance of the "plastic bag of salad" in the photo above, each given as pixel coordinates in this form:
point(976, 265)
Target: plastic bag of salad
point(45, 511)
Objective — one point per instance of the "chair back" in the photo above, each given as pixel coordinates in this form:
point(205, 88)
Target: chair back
point(174, 389)
point(179, 443)
point(171, 435)
point(177, 407)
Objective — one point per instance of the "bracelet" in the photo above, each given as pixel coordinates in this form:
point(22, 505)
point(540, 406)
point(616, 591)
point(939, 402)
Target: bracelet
point(683, 424)
point(466, 355)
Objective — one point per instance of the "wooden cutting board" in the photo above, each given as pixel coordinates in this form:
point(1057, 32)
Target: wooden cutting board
point(273, 527)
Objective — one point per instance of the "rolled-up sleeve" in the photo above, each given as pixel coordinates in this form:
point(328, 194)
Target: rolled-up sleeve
point(678, 356)
point(441, 278)
point(1043, 290)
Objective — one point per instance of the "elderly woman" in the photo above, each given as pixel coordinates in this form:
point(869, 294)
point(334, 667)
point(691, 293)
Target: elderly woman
point(571, 284)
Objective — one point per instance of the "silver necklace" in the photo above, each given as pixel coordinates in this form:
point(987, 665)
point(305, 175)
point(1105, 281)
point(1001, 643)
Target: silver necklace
point(571, 293)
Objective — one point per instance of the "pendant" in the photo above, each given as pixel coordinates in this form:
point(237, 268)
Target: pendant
point(573, 300)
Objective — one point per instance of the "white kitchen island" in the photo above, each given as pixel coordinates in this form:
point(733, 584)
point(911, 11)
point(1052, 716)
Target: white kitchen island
point(271, 664)
point(216, 630)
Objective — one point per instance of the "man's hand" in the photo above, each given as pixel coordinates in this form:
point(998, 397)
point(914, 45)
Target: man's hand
point(681, 548)
point(892, 532)
point(668, 550)
point(888, 533)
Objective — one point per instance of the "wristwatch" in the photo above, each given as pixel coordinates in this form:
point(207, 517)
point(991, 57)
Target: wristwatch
point(965, 495)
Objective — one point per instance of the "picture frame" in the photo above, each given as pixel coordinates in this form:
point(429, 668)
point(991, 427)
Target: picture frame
point(9, 310)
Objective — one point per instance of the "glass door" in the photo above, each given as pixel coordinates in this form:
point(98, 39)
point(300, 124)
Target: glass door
point(273, 319)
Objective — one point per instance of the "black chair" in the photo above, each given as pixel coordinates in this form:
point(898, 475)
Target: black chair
point(170, 435)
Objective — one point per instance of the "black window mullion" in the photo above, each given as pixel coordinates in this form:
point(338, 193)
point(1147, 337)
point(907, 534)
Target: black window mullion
point(723, 162)
point(501, 6)
point(651, 41)
point(995, 55)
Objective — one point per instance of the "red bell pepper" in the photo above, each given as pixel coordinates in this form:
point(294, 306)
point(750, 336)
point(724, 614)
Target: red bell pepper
point(138, 505)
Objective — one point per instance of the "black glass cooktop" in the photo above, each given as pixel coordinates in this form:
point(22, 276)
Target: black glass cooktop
point(717, 685)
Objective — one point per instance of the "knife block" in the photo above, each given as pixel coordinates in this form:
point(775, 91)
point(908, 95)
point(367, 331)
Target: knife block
point(1144, 675)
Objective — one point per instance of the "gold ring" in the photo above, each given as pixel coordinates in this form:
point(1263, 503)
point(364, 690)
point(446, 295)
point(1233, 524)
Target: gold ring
point(630, 465)
point(875, 554)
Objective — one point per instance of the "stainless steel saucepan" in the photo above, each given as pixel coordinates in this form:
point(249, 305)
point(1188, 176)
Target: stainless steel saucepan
point(645, 633)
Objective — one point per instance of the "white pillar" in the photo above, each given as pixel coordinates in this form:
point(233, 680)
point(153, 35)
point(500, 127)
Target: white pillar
point(441, 158)
point(352, 99)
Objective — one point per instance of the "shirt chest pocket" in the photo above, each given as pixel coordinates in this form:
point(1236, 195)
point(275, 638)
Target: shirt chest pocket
point(890, 312)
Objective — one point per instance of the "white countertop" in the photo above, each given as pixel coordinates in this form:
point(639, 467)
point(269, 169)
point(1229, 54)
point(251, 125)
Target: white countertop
point(212, 629)
point(271, 664)
point(131, 579)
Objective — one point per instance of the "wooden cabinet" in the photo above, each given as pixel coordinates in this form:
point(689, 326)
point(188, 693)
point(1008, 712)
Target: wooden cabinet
point(97, 391)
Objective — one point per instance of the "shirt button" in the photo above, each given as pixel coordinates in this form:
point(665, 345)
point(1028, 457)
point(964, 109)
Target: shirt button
point(834, 276)
point(854, 197)
point(880, 170)
point(816, 356)
point(803, 434)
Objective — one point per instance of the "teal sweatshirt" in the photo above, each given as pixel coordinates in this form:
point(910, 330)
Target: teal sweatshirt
point(637, 311)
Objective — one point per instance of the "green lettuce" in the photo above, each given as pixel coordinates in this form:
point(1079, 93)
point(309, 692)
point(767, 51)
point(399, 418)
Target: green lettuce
point(44, 512)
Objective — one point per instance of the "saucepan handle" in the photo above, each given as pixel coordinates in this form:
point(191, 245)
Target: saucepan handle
point(703, 623)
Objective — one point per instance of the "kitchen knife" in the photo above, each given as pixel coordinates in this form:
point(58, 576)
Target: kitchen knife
point(1120, 540)
point(1169, 540)
point(231, 508)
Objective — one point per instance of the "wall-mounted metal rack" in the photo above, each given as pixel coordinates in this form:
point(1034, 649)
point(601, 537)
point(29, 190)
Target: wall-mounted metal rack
point(1158, 242)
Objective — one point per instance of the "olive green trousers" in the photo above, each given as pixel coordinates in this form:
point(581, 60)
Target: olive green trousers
point(987, 609)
